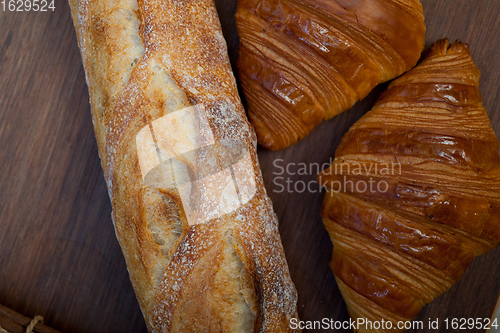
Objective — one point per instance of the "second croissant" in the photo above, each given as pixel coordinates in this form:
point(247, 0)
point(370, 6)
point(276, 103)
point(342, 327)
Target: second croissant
point(301, 62)
point(414, 191)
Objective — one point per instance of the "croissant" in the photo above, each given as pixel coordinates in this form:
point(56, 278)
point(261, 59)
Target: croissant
point(302, 62)
point(414, 191)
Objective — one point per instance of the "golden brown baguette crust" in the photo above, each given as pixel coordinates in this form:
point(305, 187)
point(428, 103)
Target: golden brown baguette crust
point(302, 62)
point(143, 61)
point(430, 146)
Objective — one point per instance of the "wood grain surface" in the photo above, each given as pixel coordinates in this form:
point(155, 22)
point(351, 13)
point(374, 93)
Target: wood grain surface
point(58, 253)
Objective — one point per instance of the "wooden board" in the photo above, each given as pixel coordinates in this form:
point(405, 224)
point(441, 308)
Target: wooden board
point(58, 253)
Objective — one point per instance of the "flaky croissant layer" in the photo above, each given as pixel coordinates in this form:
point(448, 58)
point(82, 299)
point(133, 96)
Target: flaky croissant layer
point(414, 190)
point(301, 62)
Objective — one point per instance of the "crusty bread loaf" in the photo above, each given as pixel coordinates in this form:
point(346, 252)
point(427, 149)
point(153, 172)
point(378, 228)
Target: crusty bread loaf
point(145, 61)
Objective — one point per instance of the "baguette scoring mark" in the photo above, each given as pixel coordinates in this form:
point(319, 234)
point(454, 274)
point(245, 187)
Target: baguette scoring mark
point(170, 162)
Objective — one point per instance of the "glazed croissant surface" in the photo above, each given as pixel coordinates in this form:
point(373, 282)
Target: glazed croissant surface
point(301, 62)
point(414, 190)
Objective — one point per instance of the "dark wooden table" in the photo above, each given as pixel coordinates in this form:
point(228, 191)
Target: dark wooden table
point(58, 253)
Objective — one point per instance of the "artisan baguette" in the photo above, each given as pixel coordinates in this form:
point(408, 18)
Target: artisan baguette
point(203, 255)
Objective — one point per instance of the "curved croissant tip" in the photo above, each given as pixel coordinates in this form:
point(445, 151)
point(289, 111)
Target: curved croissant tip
point(267, 142)
point(459, 46)
point(444, 47)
